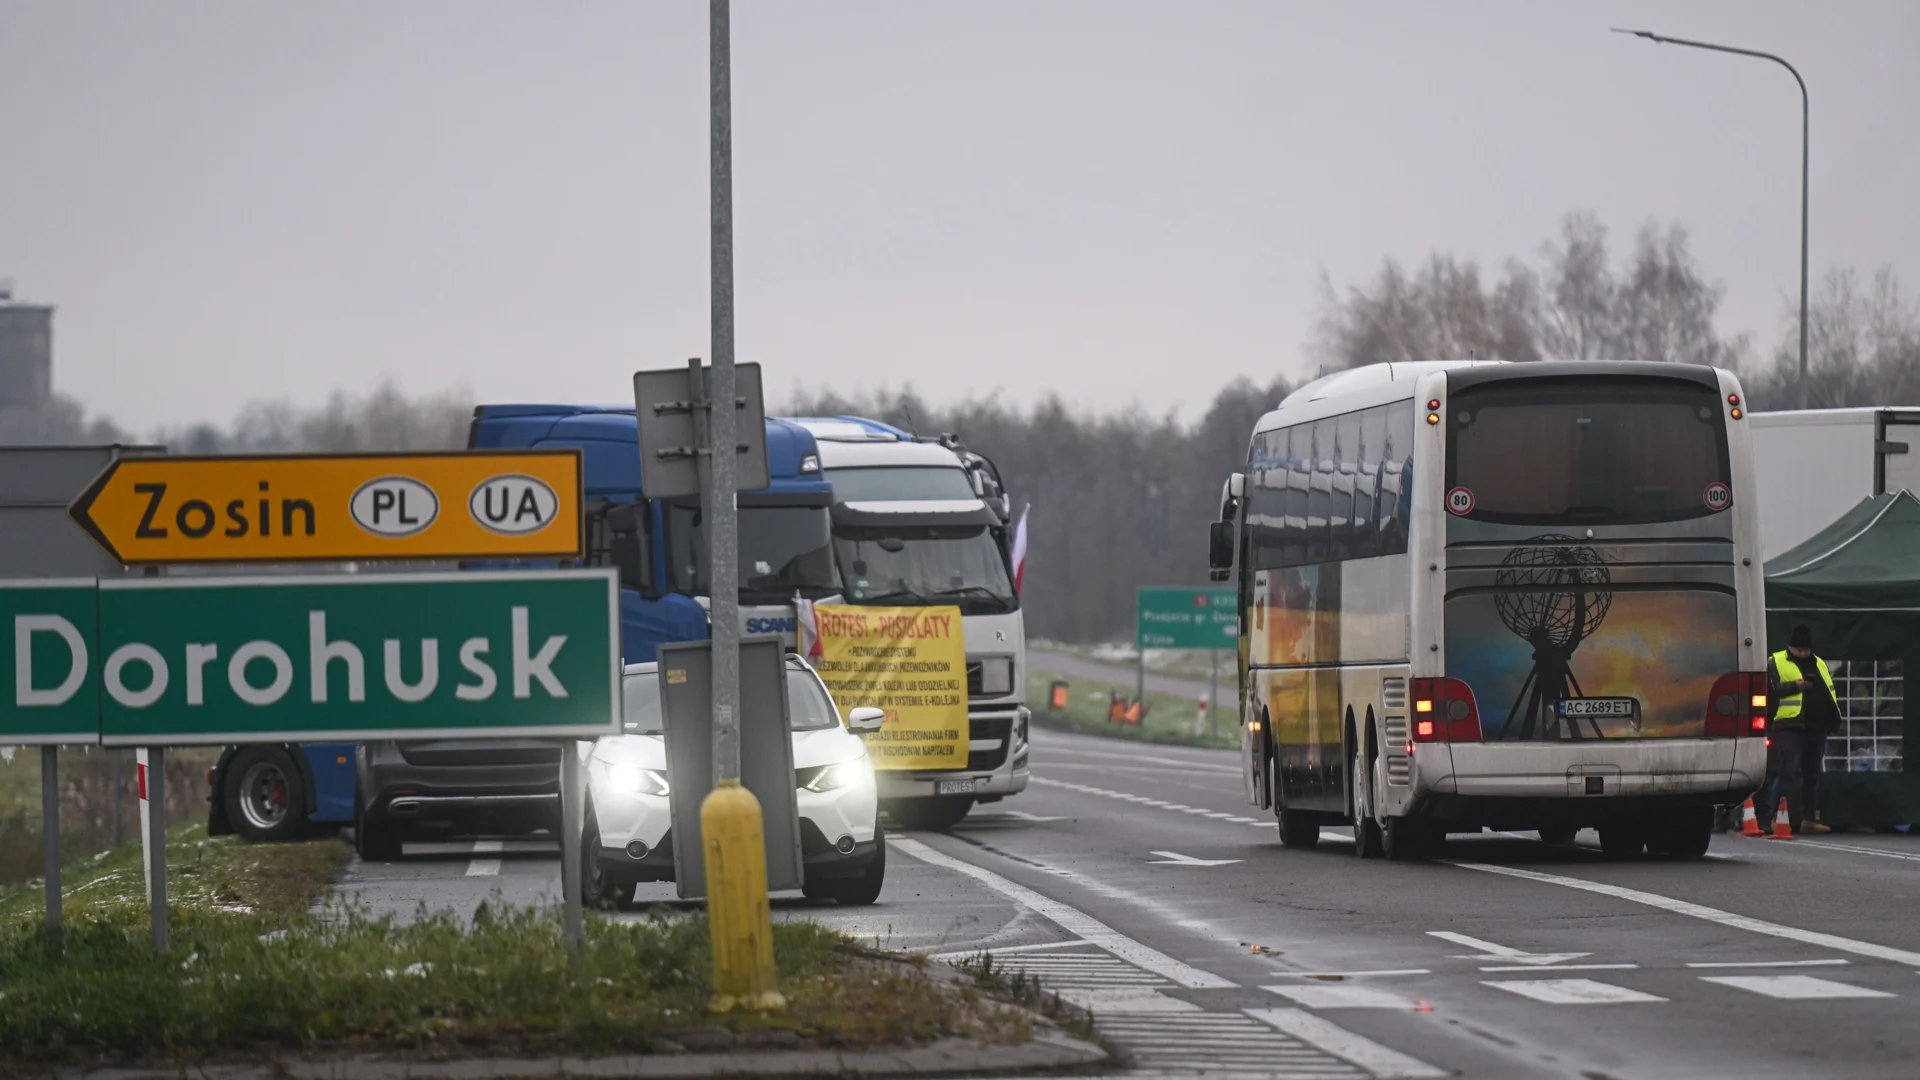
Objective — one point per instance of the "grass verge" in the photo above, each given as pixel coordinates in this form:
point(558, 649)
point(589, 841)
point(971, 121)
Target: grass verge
point(1168, 719)
point(255, 973)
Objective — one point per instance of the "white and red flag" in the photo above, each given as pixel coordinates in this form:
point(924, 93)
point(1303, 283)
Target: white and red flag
point(1020, 547)
point(806, 628)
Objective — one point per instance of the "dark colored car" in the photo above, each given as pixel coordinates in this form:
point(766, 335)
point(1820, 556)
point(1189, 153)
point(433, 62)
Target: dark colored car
point(445, 788)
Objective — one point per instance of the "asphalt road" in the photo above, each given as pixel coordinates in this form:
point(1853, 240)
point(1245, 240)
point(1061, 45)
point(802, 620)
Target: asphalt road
point(1135, 879)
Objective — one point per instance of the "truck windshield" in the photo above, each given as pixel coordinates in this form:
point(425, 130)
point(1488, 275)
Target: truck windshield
point(808, 707)
point(1590, 451)
point(908, 565)
point(783, 550)
point(900, 483)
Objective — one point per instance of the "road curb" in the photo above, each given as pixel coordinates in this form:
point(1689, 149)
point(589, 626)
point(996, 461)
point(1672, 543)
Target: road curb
point(1048, 1052)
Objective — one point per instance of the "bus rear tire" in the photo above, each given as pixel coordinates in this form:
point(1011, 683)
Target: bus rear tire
point(1558, 834)
point(1688, 837)
point(1299, 829)
point(1403, 838)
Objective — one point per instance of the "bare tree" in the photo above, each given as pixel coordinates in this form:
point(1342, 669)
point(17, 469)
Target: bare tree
point(1863, 347)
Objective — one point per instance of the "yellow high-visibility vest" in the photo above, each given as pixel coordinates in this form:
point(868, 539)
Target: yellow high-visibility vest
point(1789, 673)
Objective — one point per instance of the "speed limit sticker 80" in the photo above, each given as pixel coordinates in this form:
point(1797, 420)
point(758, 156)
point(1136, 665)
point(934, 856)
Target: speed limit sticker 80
point(1460, 501)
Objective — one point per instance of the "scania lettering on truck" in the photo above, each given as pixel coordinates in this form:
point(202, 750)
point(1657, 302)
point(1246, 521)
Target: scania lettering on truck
point(925, 523)
point(1510, 596)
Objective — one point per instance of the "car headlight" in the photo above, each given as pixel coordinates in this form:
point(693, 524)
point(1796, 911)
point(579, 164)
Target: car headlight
point(636, 780)
point(834, 777)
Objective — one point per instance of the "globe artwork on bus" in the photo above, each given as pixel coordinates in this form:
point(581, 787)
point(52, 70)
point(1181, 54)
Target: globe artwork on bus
point(1555, 651)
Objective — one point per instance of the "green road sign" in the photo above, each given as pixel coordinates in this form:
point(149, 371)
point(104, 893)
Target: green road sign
point(184, 661)
point(48, 686)
point(1185, 619)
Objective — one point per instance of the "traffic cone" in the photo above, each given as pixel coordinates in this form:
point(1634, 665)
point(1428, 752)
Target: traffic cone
point(1749, 821)
point(1782, 826)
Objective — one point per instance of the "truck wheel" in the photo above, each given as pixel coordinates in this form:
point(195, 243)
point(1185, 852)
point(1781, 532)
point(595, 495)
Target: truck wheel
point(373, 839)
point(1299, 829)
point(937, 814)
point(865, 889)
point(265, 797)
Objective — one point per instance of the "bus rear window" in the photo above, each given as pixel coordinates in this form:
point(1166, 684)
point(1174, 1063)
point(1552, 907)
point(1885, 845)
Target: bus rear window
point(1592, 451)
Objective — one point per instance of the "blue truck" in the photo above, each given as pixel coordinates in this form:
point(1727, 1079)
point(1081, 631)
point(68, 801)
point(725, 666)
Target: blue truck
point(270, 792)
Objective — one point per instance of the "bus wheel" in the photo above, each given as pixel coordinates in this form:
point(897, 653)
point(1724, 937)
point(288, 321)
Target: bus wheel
point(1622, 841)
point(1299, 829)
point(1685, 838)
point(1557, 834)
point(265, 798)
point(1403, 838)
point(1366, 831)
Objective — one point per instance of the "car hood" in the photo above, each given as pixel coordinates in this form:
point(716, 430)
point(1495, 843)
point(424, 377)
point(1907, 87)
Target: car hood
point(823, 747)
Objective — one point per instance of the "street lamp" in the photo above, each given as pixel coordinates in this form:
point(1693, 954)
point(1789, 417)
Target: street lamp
point(1663, 40)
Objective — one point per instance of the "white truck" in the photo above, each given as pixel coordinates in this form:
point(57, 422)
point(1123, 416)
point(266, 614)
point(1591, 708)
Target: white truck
point(1816, 464)
point(930, 519)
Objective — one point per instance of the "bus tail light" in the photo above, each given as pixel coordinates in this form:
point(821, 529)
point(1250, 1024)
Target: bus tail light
point(1444, 711)
point(1738, 705)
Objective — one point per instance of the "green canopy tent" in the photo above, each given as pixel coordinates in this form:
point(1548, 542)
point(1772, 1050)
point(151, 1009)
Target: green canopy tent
point(1856, 585)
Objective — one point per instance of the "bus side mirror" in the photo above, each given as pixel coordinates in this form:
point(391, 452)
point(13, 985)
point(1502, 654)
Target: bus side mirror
point(1220, 549)
point(866, 720)
point(628, 547)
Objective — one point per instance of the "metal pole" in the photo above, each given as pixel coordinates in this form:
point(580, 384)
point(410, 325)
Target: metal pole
point(570, 848)
point(50, 829)
point(157, 844)
point(721, 520)
point(1806, 151)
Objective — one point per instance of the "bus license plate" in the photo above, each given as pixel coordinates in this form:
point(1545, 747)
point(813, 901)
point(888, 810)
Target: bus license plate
point(1600, 706)
point(953, 787)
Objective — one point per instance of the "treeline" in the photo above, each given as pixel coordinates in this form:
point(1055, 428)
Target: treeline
point(1121, 499)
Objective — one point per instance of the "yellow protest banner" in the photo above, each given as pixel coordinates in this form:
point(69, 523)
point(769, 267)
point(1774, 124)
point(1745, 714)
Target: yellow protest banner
point(910, 662)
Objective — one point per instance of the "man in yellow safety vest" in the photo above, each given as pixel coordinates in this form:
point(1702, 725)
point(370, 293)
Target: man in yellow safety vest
point(1805, 710)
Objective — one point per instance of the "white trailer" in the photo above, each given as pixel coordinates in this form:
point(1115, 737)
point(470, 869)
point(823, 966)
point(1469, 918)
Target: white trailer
point(1814, 465)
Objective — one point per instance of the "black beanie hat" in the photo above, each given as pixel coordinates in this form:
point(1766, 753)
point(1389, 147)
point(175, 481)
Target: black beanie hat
point(1802, 638)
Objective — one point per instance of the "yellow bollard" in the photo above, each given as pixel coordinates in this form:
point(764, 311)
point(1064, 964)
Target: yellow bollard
point(738, 917)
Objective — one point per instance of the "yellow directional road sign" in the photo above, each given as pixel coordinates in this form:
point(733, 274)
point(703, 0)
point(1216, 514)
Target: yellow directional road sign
point(465, 504)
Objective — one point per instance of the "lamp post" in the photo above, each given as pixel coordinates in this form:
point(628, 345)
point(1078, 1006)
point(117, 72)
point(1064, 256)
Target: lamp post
point(1661, 39)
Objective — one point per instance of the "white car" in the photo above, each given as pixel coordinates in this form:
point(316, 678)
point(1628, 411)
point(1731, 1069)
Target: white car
point(627, 838)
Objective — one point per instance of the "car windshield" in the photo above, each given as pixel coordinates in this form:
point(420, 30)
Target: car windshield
point(960, 565)
point(783, 550)
point(899, 483)
point(808, 706)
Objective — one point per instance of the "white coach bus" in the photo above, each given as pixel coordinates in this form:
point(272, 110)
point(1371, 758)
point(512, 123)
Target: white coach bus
point(1511, 596)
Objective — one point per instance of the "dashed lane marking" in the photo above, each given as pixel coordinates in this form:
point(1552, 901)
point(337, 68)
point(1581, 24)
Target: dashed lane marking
point(1341, 997)
point(1573, 991)
point(485, 867)
point(1157, 804)
point(1072, 920)
point(1834, 962)
point(1795, 987)
point(1700, 911)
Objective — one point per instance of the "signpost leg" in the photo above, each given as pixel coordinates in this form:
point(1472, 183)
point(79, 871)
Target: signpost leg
point(156, 840)
point(1213, 696)
point(50, 829)
point(570, 839)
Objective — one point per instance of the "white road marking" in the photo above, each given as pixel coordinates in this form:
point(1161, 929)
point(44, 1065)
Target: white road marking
point(1103, 1000)
point(1174, 858)
point(1562, 967)
point(1835, 962)
point(1072, 920)
point(998, 949)
point(1353, 974)
point(1324, 1035)
point(1713, 915)
point(1503, 952)
point(1795, 987)
point(1341, 997)
point(1157, 804)
point(1572, 991)
point(1172, 764)
point(1857, 850)
point(485, 867)
point(1024, 816)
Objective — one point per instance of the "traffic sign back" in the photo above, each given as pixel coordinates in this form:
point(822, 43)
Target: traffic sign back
point(463, 504)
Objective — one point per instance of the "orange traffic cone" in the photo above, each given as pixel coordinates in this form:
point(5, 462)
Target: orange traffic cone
point(1782, 826)
point(1749, 821)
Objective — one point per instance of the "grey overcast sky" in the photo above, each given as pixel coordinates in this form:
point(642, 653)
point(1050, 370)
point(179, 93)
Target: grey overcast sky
point(1119, 201)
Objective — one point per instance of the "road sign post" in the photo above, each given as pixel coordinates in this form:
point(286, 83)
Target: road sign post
point(1185, 618)
point(464, 504)
point(154, 835)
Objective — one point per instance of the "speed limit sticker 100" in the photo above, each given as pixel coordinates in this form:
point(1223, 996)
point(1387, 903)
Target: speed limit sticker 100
point(1717, 496)
point(1460, 501)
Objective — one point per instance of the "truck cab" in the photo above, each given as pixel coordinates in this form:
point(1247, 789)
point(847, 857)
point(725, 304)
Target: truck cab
point(926, 522)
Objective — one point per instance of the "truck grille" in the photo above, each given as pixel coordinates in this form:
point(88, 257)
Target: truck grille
point(989, 727)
